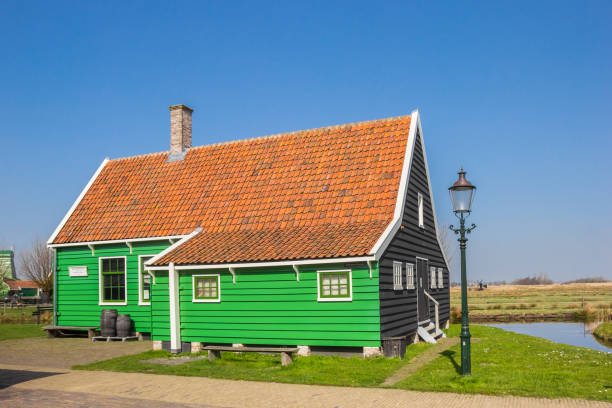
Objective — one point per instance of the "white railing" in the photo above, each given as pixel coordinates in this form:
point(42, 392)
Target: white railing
point(436, 304)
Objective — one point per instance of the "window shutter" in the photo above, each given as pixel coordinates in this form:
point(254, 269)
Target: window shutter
point(397, 275)
point(432, 280)
point(409, 276)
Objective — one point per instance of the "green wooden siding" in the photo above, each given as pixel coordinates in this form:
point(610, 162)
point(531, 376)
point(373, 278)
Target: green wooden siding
point(160, 307)
point(77, 297)
point(269, 306)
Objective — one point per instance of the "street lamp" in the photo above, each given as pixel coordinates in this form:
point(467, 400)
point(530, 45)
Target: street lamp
point(462, 193)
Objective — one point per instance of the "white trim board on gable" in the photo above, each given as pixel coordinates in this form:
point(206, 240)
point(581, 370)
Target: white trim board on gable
point(77, 201)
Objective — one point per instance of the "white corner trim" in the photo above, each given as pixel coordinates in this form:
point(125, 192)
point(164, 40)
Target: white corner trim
point(350, 286)
point(100, 290)
point(172, 247)
point(175, 313)
point(141, 301)
point(266, 264)
point(385, 239)
point(193, 285)
point(77, 201)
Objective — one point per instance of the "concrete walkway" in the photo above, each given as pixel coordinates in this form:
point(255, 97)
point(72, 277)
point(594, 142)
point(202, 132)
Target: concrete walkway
point(109, 389)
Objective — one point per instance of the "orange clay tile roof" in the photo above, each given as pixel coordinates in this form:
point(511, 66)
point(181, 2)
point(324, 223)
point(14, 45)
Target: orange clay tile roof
point(318, 193)
point(19, 284)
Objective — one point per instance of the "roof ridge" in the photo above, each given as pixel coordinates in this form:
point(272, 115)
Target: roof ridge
point(276, 135)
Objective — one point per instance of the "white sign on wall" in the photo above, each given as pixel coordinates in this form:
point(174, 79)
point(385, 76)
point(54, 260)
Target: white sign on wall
point(77, 270)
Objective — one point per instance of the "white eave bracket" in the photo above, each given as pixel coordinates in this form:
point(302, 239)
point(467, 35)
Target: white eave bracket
point(129, 245)
point(297, 272)
point(152, 274)
point(370, 267)
point(93, 250)
point(172, 241)
point(233, 272)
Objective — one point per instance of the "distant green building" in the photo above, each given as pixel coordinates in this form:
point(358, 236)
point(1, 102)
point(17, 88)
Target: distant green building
point(7, 269)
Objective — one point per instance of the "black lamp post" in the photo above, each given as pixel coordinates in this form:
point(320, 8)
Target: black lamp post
point(462, 193)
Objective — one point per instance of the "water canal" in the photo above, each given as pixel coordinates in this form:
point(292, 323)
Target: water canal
point(574, 334)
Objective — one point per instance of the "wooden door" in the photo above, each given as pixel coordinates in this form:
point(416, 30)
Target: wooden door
point(422, 282)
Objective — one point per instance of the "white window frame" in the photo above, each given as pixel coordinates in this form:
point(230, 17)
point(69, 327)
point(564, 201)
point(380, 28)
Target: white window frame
point(141, 301)
point(101, 301)
point(397, 276)
point(432, 277)
point(410, 278)
point(193, 288)
point(338, 299)
point(420, 205)
point(440, 278)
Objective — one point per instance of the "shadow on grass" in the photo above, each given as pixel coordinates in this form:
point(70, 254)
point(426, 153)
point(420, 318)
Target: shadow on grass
point(451, 356)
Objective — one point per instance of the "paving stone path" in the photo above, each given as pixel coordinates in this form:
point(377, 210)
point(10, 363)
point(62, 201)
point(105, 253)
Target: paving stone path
point(420, 360)
point(112, 390)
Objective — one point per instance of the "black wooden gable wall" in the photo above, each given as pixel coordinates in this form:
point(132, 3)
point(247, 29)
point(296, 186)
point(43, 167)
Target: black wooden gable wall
point(398, 308)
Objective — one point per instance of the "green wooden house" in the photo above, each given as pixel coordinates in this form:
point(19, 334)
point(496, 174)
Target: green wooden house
point(317, 238)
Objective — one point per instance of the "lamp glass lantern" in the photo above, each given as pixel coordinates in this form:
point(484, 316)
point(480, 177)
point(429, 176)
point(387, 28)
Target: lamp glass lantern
point(462, 194)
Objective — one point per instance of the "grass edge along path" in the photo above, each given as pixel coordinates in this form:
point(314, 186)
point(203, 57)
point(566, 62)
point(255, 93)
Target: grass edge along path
point(332, 370)
point(20, 331)
point(506, 363)
point(420, 360)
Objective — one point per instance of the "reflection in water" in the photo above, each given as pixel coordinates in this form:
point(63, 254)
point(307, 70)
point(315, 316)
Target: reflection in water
point(574, 334)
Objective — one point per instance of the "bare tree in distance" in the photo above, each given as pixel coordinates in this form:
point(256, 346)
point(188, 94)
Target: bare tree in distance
point(448, 243)
point(36, 265)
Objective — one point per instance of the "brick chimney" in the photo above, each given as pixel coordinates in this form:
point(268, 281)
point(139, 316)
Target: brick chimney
point(180, 129)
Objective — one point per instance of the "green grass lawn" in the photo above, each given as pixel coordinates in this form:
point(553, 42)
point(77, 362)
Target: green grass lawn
point(604, 331)
point(20, 331)
point(344, 371)
point(505, 363)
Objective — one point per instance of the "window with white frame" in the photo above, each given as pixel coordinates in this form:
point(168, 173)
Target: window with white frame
point(432, 279)
point(334, 286)
point(397, 275)
point(206, 288)
point(409, 276)
point(440, 278)
point(420, 205)
point(113, 281)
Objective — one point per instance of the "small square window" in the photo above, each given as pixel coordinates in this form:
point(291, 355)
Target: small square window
point(206, 288)
point(334, 285)
point(397, 276)
point(409, 276)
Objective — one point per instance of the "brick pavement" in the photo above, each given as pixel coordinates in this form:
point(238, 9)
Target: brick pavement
point(173, 391)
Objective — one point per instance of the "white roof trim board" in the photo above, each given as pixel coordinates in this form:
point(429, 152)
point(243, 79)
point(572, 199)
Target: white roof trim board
point(384, 241)
point(173, 247)
point(78, 200)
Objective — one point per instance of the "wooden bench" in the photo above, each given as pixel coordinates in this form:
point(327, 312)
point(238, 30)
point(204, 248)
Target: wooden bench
point(286, 353)
point(54, 331)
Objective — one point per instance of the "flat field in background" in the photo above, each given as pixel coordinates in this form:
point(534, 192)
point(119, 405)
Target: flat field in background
point(576, 298)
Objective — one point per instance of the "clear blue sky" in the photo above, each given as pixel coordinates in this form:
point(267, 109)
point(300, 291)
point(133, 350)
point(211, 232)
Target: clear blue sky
point(518, 93)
